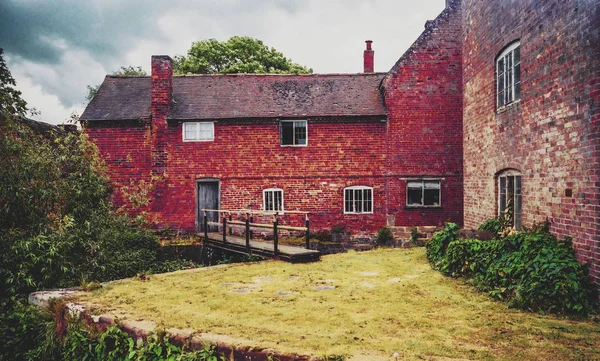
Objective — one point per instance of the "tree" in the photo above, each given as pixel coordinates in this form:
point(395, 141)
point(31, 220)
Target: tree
point(239, 54)
point(11, 103)
point(123, 71)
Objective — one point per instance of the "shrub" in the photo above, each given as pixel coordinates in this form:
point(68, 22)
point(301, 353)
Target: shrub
point(384, 236)
point(531, 270)
point(436, 247)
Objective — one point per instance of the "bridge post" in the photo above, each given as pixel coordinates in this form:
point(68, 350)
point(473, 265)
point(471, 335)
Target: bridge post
point(247, 233)
point(205, 219)
point(251, 221)
point(307, 233)
point(275, 236)
point(224, 228)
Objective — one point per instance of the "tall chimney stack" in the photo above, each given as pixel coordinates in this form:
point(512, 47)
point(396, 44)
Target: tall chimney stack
point(368, 57)
point(161, 99)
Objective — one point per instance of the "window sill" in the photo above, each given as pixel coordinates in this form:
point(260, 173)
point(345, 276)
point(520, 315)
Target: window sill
point(423, 207)
point(293, 146)
point(508, 106)
point(357, 213)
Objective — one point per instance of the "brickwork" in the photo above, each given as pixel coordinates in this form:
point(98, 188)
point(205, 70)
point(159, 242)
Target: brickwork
point(552, 134)
point(423, 93)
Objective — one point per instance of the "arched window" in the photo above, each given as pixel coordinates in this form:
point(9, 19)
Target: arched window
point(358, 199)
point(509, 196)
point(273, 200)
point(508, 74)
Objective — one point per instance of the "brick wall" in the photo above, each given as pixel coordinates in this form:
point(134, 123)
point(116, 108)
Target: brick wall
point(424, 96)
point(551, 136)
point(246, 157)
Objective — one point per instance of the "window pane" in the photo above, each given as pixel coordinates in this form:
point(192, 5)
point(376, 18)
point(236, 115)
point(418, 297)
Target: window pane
point(205, 131)
point(414, 196)
point(517, 55)
point(368, 200)
point(300, 133)
point(502, 195)
point(509, 84)
point(358, 197)
point(287, 133)
point(278, 200)
point(518, 82)
point(349, 200)
point(431, 197)
point(189, 131)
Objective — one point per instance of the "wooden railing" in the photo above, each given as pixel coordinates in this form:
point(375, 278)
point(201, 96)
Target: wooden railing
point(248, 223)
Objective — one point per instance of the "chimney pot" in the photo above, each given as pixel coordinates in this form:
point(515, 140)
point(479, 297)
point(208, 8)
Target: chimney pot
point(369, 58)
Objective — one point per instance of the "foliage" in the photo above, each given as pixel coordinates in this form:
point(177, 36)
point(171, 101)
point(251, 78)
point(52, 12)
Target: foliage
point(531, 270)
point(123, 71)
point(384, 236)
point(11, 103)
point(323, 235)
point(498, 226)
point(436, 247)
point(239, 54)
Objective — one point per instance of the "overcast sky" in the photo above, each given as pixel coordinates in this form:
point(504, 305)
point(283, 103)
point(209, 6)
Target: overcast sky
point(55, 48)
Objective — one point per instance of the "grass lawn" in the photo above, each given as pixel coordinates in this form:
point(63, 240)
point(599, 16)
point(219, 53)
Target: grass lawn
point(365, 305)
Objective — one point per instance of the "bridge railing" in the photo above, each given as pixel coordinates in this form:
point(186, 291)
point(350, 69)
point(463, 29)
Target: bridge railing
point(226, 217)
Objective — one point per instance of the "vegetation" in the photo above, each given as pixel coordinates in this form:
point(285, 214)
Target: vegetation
point(366, 305)
point(531, 270)
point(239, 54)
point(384, 236)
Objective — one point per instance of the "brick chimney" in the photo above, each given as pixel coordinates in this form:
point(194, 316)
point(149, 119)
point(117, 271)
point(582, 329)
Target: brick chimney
point(368, 57)
point(162, 97)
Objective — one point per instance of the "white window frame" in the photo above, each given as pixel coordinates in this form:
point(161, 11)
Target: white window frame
point(517, 197)
point(508, 75)
point(197, 125)
point(272, 192)
point(422, 182)
point(361, 189)
point(294, 121)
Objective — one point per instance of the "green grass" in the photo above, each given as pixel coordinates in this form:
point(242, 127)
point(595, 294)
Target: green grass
point(366, 305)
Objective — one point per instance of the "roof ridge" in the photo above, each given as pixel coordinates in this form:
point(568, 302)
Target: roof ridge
point(248, 75)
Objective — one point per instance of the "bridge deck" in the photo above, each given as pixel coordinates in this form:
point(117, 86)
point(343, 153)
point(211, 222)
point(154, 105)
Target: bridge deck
point(263, 248)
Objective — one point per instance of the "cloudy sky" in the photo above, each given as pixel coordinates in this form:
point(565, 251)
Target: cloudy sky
point(55, 48)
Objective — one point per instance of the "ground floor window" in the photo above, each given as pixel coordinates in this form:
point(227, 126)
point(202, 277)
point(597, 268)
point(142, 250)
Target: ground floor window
point(358, 199)
point(273, 199)
point(423, 193)
point(509, 197)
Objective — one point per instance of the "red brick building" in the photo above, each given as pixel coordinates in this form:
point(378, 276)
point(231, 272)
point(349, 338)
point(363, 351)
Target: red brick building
point(497, 98)
point(359, 150)
point(531, 78)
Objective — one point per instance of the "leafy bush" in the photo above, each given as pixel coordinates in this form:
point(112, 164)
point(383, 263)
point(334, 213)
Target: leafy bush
point(384, 236)
point(436, 247)
point(531, 270)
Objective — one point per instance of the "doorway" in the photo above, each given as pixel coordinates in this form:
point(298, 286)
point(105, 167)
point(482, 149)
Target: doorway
point(208, 193)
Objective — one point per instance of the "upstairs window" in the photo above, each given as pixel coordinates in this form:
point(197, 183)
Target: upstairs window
point(423, 193)
point(358, 199)
point(293, 132)
point(509, 197)
point(273, 200)
point(198, 132)
point(508, 75)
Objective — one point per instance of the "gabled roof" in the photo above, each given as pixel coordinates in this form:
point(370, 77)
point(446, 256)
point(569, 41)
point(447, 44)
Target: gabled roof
point(243, 96)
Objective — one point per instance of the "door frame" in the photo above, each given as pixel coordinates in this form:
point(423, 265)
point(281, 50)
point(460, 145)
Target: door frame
point(197, 195)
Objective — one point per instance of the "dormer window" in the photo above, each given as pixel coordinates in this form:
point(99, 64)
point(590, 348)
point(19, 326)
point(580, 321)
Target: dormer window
point(508, 75)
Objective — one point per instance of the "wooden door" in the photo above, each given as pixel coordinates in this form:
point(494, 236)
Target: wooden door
point(208, 198)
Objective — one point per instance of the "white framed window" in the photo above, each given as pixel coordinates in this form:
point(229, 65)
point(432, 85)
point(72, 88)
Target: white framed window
point(508, 75)
point(509, 197)
point(293, 132)
point(358, 199)
point(423, 193)
point(273, 200)
point(198, 131)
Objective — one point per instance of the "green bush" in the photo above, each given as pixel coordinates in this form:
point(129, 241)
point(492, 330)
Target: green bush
point(436, 247)
point(531, 270)
point(384, 236)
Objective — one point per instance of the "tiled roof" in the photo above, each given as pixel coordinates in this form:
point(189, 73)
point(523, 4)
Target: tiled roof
point(243, 96)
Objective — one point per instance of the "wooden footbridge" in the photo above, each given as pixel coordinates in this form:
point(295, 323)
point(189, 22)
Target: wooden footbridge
point(244, 241)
